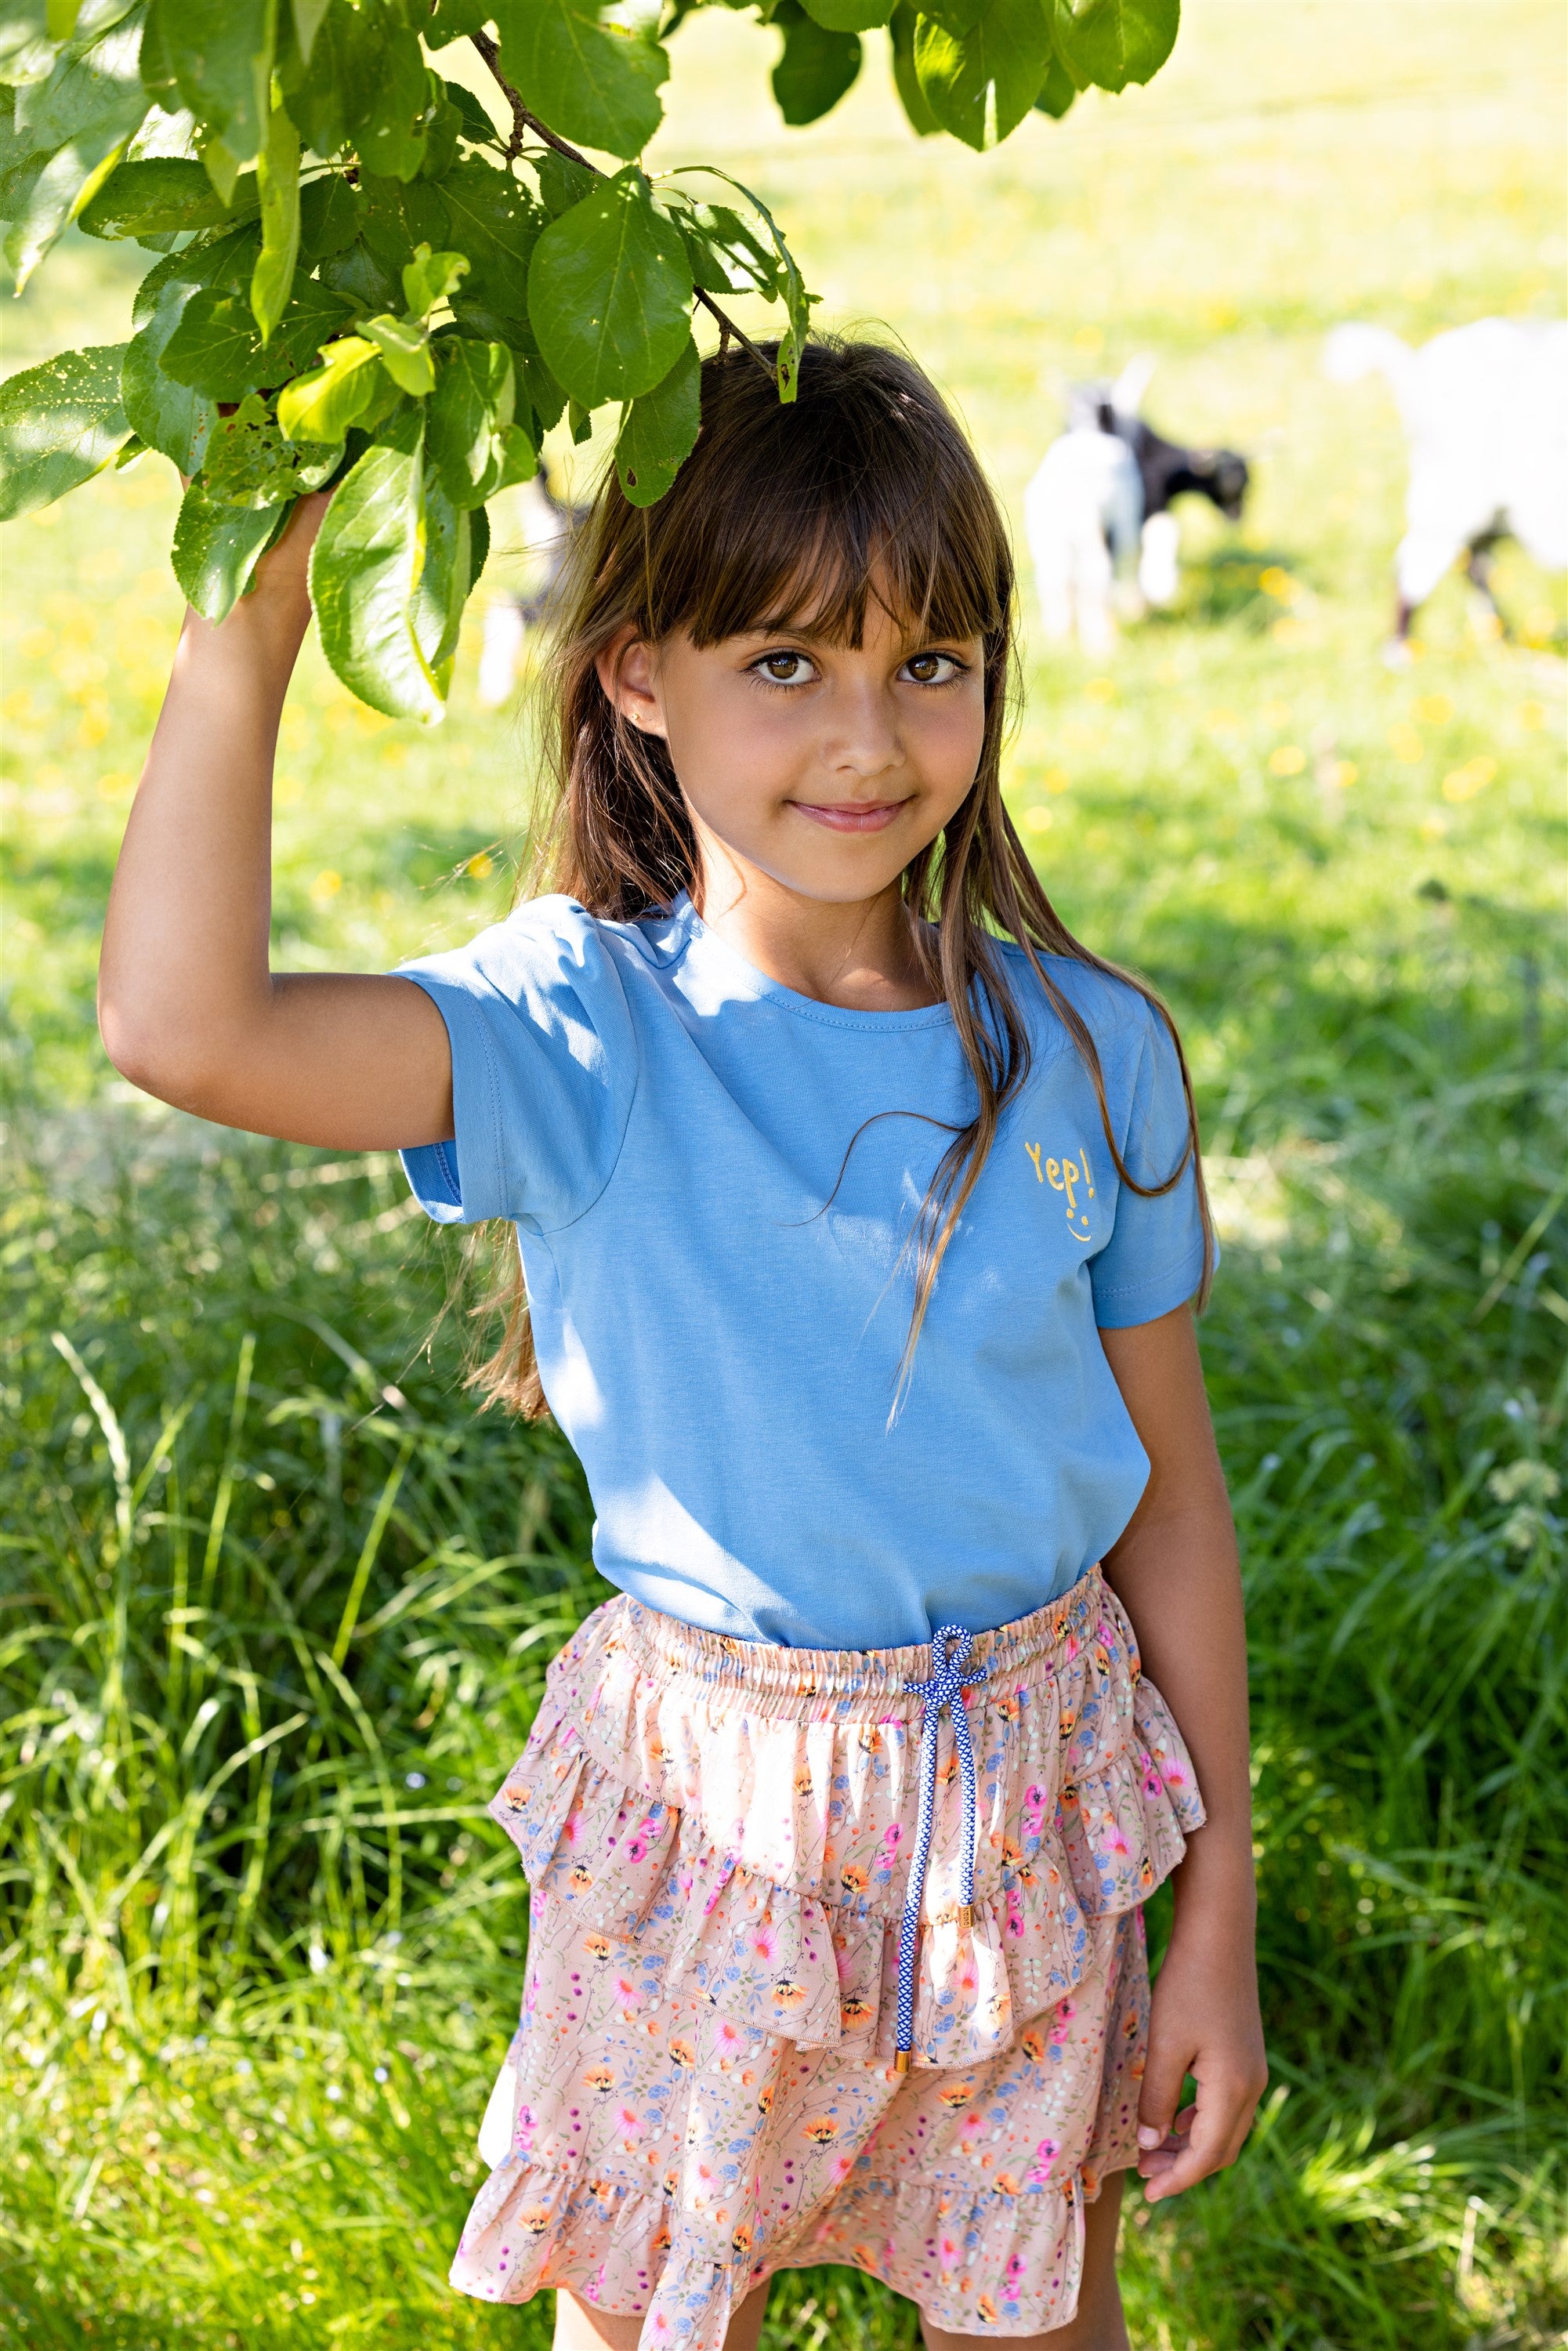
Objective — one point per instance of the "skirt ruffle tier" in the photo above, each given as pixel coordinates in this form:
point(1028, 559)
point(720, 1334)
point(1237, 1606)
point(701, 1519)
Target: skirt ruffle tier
point(717, 1837)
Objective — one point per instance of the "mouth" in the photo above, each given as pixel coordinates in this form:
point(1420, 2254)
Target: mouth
point(850, 816)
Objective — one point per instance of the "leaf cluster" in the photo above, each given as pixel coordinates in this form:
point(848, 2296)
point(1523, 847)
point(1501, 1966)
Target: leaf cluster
point(374, 279)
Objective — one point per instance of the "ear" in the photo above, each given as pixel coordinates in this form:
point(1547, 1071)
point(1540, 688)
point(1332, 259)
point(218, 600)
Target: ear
point(628, 672)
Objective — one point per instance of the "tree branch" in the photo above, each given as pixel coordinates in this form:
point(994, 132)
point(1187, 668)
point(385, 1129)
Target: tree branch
point(524, 122)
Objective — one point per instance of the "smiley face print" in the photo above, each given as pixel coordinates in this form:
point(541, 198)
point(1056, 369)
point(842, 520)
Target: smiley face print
point(1071, 1177)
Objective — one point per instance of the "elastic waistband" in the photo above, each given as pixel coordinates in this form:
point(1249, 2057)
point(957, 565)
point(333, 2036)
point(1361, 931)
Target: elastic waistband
point(764, 1670)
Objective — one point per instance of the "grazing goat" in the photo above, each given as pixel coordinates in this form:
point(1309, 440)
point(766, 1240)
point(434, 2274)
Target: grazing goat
point(1485, 409)
point(547, 526)
point(1097, 514)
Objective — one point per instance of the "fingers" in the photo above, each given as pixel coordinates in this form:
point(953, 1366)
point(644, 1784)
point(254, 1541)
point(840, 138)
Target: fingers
point(1164, 2071)
point(1204, 2138)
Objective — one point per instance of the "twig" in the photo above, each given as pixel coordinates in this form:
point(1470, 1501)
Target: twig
point(523, 121)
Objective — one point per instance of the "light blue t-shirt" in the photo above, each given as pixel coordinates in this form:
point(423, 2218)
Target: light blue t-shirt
point(719, 1329)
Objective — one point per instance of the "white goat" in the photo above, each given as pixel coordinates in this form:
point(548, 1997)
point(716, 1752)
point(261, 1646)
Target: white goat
point(1082, 515)
point(1485, 409)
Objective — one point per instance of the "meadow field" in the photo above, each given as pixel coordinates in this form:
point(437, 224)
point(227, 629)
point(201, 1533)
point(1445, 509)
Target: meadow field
point(274, 1606)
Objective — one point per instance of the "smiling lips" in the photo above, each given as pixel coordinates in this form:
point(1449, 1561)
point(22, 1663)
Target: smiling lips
point(850, 816)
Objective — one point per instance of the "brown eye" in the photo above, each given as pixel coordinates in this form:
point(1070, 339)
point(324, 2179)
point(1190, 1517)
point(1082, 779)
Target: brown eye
point(785, 669)
point(931, 669)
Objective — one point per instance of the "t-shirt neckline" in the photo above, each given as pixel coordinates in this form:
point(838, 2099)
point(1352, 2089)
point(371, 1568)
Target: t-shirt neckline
point(805, 1007)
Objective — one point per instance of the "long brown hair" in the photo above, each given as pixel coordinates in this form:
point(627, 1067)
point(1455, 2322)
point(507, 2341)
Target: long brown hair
point(863, 486)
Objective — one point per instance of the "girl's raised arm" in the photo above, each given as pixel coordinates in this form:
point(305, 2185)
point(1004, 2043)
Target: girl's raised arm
point(188, 1006)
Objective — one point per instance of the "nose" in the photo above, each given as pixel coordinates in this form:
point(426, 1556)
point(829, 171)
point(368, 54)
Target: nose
point(863, 738)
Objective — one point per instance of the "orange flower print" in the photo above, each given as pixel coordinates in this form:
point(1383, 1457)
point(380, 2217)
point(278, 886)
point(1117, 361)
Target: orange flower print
point(787, 1994)
point(534, 2218)
point(1101, 1657)
point(1130, 2026)
point(869, 1738)
point(821, 2130)
point(1034, 2044)
point(986, 2309)
point(683, 2054)
point(1146, 1874)
point(803, 1779)
point(601, 2078)
point(854, 1877)
point(596, 1946)
point(581, 1877)
point(741, 2241)
point(1007, 2184)
point(765, 2098)
point(671, 2181)
point(662, 2240)
point(1069, 1721)
point(864, 2258)
point(956, 2093)
point(949, 1772)
point(855, 2011)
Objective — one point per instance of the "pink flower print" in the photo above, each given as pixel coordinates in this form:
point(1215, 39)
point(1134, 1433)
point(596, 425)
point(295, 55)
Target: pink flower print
point(1015, 1910)
point(1072, 1647)
point(1034, 1807)
point(1045, 2155)
point(949, 2252)
point(971, 2126)
point(630, 2124)
point(729, 2037)
point(764, 1940)
point(1171, 1773)
point(1114, 1839)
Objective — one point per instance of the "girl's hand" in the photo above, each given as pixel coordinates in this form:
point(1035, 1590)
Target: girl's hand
point(1204, 2022)
point(282, 577)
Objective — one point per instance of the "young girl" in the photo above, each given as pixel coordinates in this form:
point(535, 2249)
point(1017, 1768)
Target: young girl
point(860, 1216)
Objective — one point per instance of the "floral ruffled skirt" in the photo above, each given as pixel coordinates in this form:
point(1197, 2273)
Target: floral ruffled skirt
point(703, 2088)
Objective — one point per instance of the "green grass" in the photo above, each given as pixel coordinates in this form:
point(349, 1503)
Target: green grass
point(274, 1606)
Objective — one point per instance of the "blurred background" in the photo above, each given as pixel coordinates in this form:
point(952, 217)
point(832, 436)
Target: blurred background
point(274, 1606)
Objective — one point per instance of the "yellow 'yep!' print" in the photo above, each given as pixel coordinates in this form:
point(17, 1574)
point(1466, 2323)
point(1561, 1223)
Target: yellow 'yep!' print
point(1066, 1176)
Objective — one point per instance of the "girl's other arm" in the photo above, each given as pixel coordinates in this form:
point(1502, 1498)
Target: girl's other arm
point(1176, 1574)
point(188, 1007)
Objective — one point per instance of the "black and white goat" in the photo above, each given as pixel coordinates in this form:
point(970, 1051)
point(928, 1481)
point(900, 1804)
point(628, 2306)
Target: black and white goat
point(1485, 409)
point(1098, 515)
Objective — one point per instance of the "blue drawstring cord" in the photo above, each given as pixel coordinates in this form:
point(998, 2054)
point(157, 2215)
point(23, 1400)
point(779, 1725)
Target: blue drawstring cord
point(951, 1676)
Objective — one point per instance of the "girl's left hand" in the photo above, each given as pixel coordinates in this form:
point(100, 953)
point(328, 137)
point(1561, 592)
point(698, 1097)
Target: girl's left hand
point(1204, 2022)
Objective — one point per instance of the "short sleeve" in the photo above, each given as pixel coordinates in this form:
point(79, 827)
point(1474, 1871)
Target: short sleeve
point(1153, 1261)
point(544, 1069)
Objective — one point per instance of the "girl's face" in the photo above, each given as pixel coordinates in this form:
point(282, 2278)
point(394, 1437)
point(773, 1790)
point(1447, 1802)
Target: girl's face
point(823, 765)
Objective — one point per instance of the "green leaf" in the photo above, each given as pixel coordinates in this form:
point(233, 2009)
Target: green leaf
point(405, 353)
point(453, 19)
point(563, 182)
point(816, 67)
point(365, 572)
point(308, 15)
point(26, 52)
point(217, 547)
point(473, 444)
point(980, 84)
point(477, 124)
point(336, 91)
point(1058, 93)
point(1109, 43)
point(726, 256)
point(224, 262)
point(659, 432)
point(360, 277)
point(65, 135)
point(589, 80)
point(400, 215)
point(249, 463)
point(906, 81)
point(322, 405)
point(161, 195)
point(61, 18)
point(429, 278)
point(277, 177)
point(797, 303)
point(497, 225)
point(59, 425)
point(392, 133)
point(847, 16)
point(170, 417)
point(329, 218)
point(220, 51)
point(444, 583)
point(609, 292)
point(446, 128)
point(216, 346)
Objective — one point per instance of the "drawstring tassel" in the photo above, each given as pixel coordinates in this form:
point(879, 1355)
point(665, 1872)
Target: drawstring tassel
point(950, 1652)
